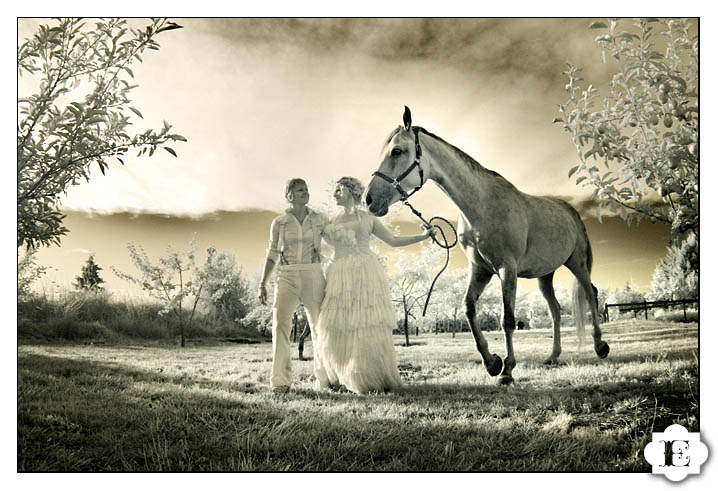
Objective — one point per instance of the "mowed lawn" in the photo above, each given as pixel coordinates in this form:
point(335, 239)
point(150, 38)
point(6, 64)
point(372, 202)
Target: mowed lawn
point(207, 407)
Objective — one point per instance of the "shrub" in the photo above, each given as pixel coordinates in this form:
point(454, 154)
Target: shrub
point(139, 329)
point(73, 329)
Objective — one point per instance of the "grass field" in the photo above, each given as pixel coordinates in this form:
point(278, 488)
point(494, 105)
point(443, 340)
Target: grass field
point(207, 407)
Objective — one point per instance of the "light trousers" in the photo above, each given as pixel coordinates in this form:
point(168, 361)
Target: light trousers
point(297, 283)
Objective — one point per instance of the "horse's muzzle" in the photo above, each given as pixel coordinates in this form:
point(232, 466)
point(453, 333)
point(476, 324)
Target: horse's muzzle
point(376, 207)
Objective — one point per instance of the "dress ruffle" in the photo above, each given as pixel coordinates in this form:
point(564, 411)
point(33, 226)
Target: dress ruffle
point(356, 320)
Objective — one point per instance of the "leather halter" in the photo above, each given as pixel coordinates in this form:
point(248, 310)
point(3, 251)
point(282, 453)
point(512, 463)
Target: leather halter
point(395, 182)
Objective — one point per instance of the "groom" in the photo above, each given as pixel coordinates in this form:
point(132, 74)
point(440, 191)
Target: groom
point(295, 244)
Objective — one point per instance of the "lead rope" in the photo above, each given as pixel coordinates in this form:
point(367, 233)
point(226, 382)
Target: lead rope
point(445, 245)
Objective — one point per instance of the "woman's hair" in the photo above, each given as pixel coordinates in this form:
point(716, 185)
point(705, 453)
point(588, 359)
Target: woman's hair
point(290, 185)
point(355, 187)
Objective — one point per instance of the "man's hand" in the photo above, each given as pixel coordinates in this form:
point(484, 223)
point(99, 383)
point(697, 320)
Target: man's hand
point(262, 294)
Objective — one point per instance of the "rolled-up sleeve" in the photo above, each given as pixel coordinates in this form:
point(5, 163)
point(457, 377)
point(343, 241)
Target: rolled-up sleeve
point(273, 247)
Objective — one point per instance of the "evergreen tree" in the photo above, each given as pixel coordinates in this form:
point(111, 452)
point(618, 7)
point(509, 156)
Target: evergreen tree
point(89, 279)
point(676, 276)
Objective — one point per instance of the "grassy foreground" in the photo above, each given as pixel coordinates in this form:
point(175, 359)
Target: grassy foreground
point(208, 408)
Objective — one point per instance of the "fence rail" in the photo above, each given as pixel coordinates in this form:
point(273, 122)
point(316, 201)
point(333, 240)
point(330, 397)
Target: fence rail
point(646, 306)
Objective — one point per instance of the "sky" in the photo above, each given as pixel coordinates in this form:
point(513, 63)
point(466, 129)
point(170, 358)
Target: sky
point(261, 100)
point(264, 100)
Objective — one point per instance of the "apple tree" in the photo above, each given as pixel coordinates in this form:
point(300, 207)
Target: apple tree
point(638, 143)
point(78, 115)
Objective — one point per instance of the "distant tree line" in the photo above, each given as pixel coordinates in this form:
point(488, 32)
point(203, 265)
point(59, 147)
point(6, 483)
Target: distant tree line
point(222, 293)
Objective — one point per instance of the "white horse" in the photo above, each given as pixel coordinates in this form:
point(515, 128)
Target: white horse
point(501, 230)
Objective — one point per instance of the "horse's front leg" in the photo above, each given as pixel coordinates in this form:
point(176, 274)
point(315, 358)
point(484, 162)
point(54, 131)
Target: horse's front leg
point(508, 290)
point(478, 279)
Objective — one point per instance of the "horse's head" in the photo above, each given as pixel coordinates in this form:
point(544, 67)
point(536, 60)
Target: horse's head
point(399, 172)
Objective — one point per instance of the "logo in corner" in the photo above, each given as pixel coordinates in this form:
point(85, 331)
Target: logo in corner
point(676, 453)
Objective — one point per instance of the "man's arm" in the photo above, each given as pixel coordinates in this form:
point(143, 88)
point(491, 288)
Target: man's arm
point(269, 262)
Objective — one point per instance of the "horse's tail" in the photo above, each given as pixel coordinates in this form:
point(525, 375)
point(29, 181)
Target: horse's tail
point(580, 301)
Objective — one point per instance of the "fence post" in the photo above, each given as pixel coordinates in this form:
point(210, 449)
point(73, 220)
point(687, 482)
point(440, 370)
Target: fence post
point(605, 313)
point(685, 316)
point(645, 304)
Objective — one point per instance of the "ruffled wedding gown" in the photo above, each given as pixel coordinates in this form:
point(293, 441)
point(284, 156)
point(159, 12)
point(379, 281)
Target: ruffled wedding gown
point(356, 319)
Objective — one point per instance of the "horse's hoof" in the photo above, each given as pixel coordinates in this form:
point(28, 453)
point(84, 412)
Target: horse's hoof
point(602, 349)
point(495, 365)
point(506, 380)
point(551, 361)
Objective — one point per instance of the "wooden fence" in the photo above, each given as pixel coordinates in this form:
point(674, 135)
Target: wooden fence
point(646, 306)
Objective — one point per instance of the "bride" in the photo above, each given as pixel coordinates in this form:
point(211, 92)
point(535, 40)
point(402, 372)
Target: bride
point(354, 329)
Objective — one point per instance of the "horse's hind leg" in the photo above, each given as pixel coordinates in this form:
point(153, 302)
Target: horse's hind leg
point(546, 287)
point(478, 279)
point(581, 273)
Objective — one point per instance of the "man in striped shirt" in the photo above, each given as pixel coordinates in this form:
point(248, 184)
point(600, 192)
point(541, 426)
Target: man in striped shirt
point(295, 245)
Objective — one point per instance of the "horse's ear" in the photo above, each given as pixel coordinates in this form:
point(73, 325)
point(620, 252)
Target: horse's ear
point(407, 118)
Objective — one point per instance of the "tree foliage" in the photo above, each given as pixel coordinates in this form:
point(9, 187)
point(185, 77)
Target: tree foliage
point(260, 316)
point(627, 294)
point(225, 288)
point(645, 130)
point(536, 309)
point(676, 276)
point(28, 271)
point(89, 278)
point(79, 116)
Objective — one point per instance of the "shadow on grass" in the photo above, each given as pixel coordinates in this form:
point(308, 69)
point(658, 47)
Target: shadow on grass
point(82, 415)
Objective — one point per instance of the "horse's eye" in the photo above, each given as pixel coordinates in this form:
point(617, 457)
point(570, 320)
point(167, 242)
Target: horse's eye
point(395, 152)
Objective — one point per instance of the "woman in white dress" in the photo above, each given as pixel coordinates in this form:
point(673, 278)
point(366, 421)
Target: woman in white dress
point(356, 319)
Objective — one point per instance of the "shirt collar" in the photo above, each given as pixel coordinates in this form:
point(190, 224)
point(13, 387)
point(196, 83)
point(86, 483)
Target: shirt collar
point(309, 211)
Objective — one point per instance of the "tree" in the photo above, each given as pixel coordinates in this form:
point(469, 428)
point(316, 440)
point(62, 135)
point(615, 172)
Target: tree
point(628, 294)
point(225, 288)
point(410, 285)
point(89, 278)
point(447, 299)
point(167, 281)
point(78, 116)
point(676, 276)
point(645, 131)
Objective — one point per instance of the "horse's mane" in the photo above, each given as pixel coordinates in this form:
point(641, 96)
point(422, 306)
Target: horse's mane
point(464, 156)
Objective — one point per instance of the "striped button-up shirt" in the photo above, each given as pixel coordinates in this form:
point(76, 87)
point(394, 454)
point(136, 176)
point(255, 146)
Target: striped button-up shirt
point(298, 242)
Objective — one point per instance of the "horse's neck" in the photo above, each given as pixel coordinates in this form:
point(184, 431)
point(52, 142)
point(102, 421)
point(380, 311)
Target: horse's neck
point(465, 182)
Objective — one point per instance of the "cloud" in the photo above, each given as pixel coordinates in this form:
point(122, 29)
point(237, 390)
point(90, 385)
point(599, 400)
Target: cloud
point(264, 100)
point(78, 251)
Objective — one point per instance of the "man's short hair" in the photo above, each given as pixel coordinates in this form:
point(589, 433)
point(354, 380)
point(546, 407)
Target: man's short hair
point(290, 185)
